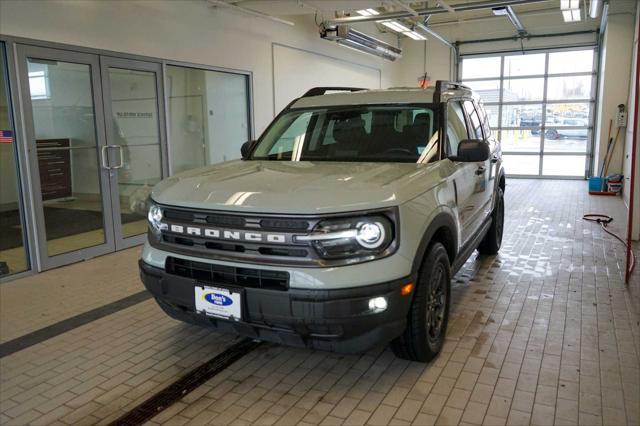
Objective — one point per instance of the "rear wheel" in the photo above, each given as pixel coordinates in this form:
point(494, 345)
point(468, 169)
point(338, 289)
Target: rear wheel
point(424, 336)
point(491, 242)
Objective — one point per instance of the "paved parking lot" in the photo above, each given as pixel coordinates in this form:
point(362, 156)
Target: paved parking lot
point(546, 332)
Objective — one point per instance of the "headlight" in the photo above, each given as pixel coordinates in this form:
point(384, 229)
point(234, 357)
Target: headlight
point(358, 237)
point(155, 218)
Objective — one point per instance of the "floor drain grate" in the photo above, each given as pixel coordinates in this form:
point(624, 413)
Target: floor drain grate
point(177, 390)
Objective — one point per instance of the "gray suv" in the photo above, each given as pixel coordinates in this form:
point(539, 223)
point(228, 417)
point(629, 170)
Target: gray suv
point(340, 228)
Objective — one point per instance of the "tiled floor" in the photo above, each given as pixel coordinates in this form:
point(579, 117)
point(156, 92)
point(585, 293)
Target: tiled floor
point(544, 333)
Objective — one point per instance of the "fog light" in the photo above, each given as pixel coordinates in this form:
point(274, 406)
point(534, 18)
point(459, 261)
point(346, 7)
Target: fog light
point(378, 304)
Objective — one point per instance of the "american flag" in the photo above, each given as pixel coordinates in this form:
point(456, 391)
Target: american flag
point(6, 136)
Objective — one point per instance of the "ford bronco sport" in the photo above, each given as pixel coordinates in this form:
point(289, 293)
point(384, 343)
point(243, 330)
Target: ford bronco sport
point(340, 228)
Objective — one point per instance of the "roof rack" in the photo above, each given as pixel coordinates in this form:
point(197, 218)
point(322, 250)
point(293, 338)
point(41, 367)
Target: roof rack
point(317, 91)
point(442, 85)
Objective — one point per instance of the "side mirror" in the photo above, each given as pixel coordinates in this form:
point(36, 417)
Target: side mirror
point(472, 151)
point(245, 149)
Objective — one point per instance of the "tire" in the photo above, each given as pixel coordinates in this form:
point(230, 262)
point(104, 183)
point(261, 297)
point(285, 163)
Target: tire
point(428, 315)
point(552, 134)
point(491, 242)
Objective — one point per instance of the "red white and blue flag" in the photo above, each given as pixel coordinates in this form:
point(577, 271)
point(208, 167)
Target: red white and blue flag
point(6, 136)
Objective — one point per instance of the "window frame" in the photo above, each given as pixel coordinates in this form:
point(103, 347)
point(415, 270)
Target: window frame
point(498, 131)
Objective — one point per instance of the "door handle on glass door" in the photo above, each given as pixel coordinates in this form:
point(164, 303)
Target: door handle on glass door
point(104, 157)
point(119, 147)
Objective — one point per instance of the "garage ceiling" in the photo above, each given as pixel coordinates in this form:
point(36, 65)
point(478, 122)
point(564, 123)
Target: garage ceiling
point(539, 18)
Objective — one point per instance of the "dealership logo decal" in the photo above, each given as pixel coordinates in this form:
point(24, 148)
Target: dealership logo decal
point(218, 299)
point(222, 234)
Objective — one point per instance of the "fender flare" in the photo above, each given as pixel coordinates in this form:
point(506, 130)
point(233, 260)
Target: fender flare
point(441, 220)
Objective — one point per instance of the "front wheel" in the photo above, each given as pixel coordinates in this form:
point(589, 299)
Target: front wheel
point(427, 321)
point(491, 242)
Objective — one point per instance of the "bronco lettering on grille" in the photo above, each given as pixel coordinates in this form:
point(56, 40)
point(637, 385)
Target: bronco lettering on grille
point(225, 234)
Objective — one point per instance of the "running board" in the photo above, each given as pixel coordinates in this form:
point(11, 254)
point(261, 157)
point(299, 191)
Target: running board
point(473, 244)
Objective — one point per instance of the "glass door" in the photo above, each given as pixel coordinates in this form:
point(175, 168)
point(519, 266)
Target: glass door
point(65, 137)
point(132, 94)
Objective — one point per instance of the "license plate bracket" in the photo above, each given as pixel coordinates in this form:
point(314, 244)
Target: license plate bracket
point(219, 302)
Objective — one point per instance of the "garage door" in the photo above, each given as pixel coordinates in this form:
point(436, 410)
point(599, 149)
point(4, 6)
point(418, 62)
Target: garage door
point(542, 104)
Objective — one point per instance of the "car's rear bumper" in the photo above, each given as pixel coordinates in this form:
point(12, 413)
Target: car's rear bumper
point(336, 320)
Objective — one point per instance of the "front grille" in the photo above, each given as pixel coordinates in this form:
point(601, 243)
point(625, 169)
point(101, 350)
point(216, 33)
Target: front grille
point(219, 274)
point(233, 248)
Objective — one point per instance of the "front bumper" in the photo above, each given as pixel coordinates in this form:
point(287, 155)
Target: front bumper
point(336, 320)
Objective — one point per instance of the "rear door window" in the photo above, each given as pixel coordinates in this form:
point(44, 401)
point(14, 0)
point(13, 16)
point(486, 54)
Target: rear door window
point(456, 127)
point(475, 124)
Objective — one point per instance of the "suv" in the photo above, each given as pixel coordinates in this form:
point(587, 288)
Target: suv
point(340, 228)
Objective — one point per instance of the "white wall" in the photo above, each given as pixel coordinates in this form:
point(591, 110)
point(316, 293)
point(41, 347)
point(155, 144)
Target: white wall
point(615, 72)
point(633, 93)
point(187, 31)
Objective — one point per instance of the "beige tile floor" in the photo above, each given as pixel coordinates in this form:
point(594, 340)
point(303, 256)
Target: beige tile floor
point(544, 333)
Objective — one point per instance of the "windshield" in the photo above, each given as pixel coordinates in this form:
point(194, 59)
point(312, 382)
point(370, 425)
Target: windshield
point(354, 133)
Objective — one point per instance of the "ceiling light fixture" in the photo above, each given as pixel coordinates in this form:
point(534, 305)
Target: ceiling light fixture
point(570, 10)
point(362, 42)
point(368, 12)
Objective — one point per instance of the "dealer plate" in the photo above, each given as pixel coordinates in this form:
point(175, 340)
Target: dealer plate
point(219, 302)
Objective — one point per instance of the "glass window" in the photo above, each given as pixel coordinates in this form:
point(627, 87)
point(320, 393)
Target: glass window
point(529, 64)
point(68, 165)
point(475, 131)
point(526, 115)
point(571, 61)
point(484, 119)
point(456, 127)
point(521, 164)
point(488, 90)
point(208, 116)
point(492, 114)
point(528, 89)
point(564, 165)
point(564, 88)
point(520, 140)
point(568, 114)
point(39, 81)
point(481, 67)
point(565, 140)
point(13, 254)
point(397, 134)
point(523, 89)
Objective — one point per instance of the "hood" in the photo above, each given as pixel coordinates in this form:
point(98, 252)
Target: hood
point(295, 187)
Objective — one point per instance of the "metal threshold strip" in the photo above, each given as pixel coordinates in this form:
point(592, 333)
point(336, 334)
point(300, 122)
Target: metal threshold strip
point(183, 386)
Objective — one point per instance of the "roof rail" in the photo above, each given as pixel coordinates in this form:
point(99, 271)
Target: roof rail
point(317, 91)
point(442, 85)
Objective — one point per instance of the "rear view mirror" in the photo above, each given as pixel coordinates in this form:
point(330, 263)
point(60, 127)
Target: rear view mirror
point(245, 149)
point(472, 151)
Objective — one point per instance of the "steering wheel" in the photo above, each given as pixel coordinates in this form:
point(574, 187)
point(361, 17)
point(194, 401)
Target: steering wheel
point(402, 150)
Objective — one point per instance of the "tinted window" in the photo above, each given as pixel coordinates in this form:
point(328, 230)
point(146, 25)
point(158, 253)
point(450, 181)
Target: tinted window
point(363, 133)
point(456, 127)
point(475, 132)
point(486, 128)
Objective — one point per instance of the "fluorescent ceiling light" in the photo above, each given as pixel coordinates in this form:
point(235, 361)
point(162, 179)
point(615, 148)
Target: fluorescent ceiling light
point(395, 26)
point(569, 4)
point(576, 14)
point(368, 12)
point(570, 10)
point(572, 15)
point(414, 35)
point(362, 42)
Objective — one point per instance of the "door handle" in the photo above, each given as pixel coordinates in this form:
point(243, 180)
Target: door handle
point(103, 157)
point(120, 151)
point(480, 170)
